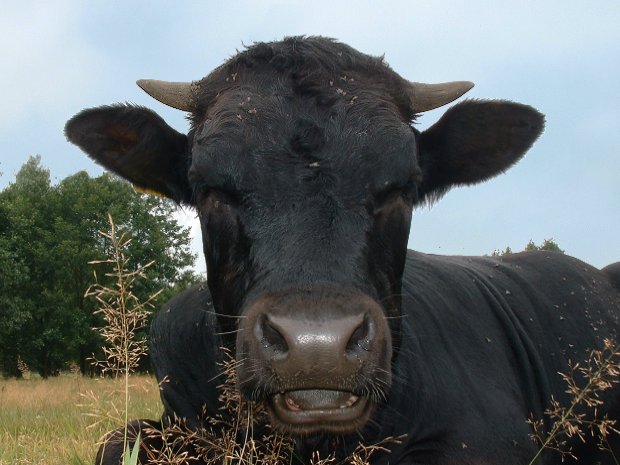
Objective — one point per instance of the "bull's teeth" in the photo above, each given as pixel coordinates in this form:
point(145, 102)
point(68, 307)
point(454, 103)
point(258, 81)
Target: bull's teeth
point(290, 403)
point(350, 402)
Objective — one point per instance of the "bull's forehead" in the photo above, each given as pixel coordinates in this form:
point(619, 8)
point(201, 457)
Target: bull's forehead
point(258, 135)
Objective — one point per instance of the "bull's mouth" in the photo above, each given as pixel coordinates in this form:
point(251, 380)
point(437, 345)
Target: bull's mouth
point(308, 411)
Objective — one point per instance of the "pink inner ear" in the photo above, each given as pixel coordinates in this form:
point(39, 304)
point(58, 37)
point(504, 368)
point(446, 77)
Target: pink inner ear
point(122, 134)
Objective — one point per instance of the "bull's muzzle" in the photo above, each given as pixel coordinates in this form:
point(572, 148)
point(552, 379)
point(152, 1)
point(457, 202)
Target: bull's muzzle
point(317, 360)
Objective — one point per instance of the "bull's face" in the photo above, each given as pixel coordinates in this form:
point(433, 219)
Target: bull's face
point(305, 230)
point(304, 169)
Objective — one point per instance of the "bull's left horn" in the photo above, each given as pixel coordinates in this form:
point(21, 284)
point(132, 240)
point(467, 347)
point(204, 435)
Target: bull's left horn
point(424, 97)
point(179, 95)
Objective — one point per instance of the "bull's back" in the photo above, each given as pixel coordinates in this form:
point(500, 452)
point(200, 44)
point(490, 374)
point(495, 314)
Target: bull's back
point(547, 292)
point(486, 338)
point(613, 273)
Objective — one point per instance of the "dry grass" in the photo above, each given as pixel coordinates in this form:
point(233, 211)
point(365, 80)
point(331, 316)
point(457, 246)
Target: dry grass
point(231, 438)
point(585, 382)
point(42, 423)
point(124, 312)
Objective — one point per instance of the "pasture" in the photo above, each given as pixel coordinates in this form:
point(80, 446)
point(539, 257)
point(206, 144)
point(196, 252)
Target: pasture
point(60, 420)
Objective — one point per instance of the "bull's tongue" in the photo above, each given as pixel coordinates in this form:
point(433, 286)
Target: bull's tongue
point(318, 399)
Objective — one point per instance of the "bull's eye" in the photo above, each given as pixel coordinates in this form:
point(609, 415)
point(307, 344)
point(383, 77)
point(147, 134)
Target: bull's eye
point(207, 198)
point(392, 194)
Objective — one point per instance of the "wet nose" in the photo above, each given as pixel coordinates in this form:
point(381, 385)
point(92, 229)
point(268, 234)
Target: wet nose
point(307, 344)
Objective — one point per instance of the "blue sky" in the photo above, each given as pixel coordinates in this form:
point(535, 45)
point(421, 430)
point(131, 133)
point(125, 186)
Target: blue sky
point(562, 57)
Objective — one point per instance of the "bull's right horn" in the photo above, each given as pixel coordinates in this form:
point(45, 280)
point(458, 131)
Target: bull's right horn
point(424, 97)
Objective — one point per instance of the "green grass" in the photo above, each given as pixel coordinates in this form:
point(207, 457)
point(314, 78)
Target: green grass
point(60, 420)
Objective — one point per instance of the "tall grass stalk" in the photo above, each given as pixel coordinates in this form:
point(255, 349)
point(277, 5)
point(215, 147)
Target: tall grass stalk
point(124, 314)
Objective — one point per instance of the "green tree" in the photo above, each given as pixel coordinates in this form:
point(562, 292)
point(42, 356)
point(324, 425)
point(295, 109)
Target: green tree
point(548, 244)
point(499, 253)
point(25, 204)
point(14, 314)
point(48, 234)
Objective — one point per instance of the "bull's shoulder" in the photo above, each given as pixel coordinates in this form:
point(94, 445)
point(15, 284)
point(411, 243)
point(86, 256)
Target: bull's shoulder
point(185, 322)
point(185, 347)
point(195, 297)
point(190, 306)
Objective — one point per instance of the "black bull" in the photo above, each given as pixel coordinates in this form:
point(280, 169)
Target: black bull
point(304, 167)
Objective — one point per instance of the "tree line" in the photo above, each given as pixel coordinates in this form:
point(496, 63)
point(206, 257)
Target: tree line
point(48, 235)
point(550, 245)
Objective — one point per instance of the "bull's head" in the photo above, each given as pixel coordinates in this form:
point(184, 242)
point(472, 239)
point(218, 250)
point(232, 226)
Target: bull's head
point(304, 168)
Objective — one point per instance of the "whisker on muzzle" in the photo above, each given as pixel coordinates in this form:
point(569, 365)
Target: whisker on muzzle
point(224, 315)
point(226, 333)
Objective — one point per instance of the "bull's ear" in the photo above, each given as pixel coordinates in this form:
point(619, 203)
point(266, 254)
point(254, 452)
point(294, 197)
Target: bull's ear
point(137, 144)
point(474, 141)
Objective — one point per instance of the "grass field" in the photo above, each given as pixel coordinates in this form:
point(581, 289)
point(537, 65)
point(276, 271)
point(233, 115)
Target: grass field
point(59, 420)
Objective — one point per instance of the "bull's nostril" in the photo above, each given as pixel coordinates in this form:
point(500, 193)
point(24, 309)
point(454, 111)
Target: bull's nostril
point(362, 336)
point(270, 339)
